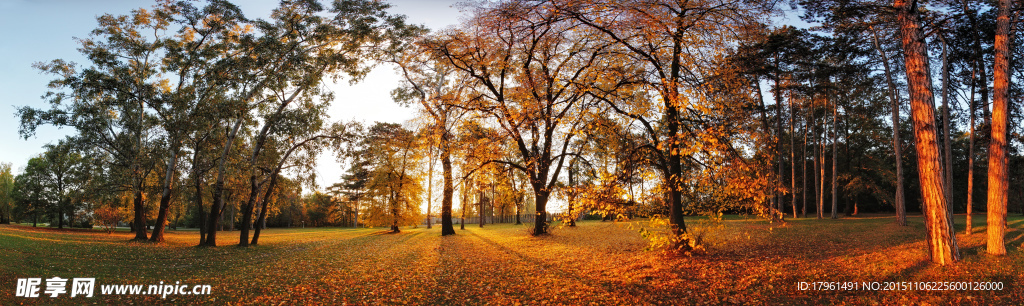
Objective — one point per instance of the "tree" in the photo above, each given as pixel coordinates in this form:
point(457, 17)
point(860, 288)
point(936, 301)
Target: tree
point(393, 189)
point(942, 243)
point(107, 101)
point(435, 86)
point(998, 179)
point(196, 60)
point(656, 37)
point(286, 61)
point(529, 73)
point(6, 193)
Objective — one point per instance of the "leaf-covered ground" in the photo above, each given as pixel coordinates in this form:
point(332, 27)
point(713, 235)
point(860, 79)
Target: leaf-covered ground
point(750, 262)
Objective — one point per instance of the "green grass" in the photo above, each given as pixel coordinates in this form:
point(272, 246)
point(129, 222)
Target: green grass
point(750, 261)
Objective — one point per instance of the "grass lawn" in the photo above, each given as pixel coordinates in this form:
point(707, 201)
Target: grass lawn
point(750, 262)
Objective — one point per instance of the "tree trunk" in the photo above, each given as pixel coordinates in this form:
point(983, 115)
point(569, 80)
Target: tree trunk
point(998, 184)
point(540, 222)
point(200, 211)
point(140, 216)
point(941, 238)
point(447, 227)
point(779, 206)
point(165, 195)
point(948, 151)
point(817, 164)
point(218, 188)
point(465, 198)
point(803, 177)
point(970, 158)
point(792, 154)
point(835, 140)
point(572, 193)
point(821, 167)
point(430, 185)
point(247, 210)
point(899, 203)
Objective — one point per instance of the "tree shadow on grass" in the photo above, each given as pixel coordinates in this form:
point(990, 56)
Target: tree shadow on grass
point(605, 286)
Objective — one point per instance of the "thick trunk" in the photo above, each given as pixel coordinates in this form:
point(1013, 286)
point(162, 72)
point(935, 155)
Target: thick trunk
point(942, 242)
point(165, 195)
point(674, 176)
point(997, 164)
point(540, 224)
point(140, 216)
point(447, 228)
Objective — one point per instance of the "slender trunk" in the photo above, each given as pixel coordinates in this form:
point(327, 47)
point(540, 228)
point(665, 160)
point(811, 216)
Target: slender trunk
point(941, 238)
point(948, 151)
point(792, 154)
point(778, 147)
point(200, 211)
point(997, 163)
point(247, 210)
point(218, 188)
point(848, 209)
point(901, 209)
point(465, 198)
point(803, 177)
point(970, 158)
point(821, 165)
point(480, 207)
point(165, 194)
point(430, 184)
point(835, 140)
point(816, 162)
point(572, 193)
point(447, 227)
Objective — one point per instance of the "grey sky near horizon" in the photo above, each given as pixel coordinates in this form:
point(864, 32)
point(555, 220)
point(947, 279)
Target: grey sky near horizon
point(43, 30)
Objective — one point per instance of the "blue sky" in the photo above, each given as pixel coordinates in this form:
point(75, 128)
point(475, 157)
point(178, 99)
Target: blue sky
point(43, 30)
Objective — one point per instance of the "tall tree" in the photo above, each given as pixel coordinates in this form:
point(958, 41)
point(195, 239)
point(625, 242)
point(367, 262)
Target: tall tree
point(998, 177)
point(942, 243)
point(429, 81)
point(529, 71)
point(655, 37)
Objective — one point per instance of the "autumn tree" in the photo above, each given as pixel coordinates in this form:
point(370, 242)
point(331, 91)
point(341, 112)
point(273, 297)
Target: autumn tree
point(435, 86)
point(393, 189)
point(666, 39)
point(942, 243)
point(528, 72)
point(998, 181)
